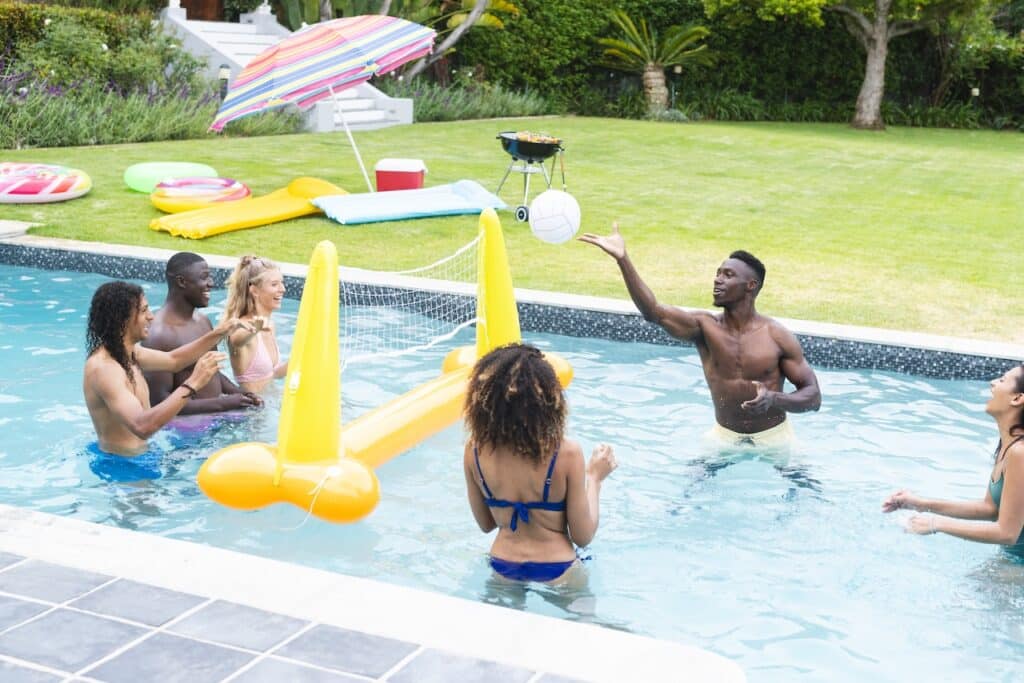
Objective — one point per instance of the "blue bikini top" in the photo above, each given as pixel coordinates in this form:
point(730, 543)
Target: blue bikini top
point(520, 510)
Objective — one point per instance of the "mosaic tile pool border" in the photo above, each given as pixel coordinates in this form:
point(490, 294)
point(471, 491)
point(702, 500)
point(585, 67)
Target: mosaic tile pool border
point(821, 351)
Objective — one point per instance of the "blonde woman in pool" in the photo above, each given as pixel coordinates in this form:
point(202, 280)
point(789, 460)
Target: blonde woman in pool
point(255, 291)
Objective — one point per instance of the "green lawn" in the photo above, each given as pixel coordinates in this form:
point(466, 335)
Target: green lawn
point(909, 228)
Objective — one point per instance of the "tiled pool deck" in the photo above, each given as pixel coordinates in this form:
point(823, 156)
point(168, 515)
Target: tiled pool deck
point(86, 602)
point(59, 622)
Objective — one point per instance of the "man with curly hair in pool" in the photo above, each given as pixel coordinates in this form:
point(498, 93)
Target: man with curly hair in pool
point(746, 356)
point(115, 392)
point(177, 323)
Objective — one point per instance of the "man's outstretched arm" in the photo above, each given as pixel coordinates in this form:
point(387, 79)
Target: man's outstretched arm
point(677, 322)
point(144, 422)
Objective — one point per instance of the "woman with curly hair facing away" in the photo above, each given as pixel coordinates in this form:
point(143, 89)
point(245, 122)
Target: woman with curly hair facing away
point(522, 475)
point(999, 516)
point(116, 394)
point(255, 291)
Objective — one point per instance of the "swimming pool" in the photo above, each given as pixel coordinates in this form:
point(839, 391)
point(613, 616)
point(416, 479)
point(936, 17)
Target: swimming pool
point(786, 567)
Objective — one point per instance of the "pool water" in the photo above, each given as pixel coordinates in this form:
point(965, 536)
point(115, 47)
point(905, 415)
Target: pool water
point(782, 563)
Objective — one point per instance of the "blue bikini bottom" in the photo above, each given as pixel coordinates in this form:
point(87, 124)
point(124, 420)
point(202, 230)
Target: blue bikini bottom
point(529, 571)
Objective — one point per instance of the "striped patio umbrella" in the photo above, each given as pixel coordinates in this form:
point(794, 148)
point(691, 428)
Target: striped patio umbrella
point(323, 59)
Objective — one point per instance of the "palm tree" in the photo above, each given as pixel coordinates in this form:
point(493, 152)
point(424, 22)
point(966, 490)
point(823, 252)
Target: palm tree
point(641, 50)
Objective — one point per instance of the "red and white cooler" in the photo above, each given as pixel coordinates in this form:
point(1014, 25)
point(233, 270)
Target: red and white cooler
point(400, 174)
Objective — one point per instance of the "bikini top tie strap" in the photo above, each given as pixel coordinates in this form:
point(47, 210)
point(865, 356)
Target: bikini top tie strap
point(487, 489)
point(547, 479)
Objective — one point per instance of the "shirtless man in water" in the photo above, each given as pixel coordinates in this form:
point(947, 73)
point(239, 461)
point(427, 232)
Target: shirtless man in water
point(746, 356)
point(176, 324)
point(115, 392)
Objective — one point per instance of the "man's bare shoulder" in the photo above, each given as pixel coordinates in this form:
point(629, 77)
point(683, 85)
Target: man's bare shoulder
point(101, 363)
point(782, 335)
point(161, 338)
point(701, 315)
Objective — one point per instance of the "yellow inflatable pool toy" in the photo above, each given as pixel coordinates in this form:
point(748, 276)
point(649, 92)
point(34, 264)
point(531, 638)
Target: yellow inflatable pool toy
point(325, 468)
point(176, 195)
point(279, 205)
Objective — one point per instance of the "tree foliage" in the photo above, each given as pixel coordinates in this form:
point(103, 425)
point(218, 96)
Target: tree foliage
point(641, 49)
point(874, 23)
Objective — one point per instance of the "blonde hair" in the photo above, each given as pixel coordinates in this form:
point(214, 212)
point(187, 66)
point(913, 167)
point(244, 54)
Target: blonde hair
point(251, 270)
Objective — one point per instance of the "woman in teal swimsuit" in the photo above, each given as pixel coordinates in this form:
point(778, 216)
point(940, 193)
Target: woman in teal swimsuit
point(523, 476)
point(1002, 508)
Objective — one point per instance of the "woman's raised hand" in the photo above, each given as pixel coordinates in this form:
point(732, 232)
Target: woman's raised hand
point(901, 500)
point(228, 325)
point(602, 462)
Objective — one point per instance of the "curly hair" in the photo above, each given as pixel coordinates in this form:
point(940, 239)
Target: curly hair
point(250, 271)
point(515, 400)
point(113, 306)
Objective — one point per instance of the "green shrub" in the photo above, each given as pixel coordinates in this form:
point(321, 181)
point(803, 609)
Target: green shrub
point(67, 52)
point(924, 116)
point(282, 121)
point(117, 6)
point(668, 115)
point(549, 48)
point(723, 105)
point(157, 59)
point(25, 24)
point(459, 102)
point(34, 113)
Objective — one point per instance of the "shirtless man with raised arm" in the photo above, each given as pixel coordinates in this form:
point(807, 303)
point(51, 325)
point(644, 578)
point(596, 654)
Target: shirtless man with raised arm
point(176, 324)
point(746, 356)
point(115, 392)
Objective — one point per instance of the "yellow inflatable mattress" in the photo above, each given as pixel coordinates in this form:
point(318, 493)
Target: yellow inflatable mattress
point(289, 202)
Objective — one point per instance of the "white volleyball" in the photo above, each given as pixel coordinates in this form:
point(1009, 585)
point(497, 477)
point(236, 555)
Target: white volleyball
point(554, 216)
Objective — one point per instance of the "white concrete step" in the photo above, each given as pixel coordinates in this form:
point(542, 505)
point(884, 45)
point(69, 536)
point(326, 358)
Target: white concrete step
point(361, 116)
point(224, 27)
point(355, 104)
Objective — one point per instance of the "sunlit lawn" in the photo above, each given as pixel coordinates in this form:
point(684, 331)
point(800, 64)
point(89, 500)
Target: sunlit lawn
point(910, 229)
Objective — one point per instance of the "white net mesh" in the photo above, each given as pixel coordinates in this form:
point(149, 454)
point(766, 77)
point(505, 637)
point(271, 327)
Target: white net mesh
point(376, 307)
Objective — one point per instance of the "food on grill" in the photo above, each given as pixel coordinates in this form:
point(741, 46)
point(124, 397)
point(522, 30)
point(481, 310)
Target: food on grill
point(527, 136)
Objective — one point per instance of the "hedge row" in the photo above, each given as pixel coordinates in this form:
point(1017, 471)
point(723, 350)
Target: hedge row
point(23, 24)
point(779, 66)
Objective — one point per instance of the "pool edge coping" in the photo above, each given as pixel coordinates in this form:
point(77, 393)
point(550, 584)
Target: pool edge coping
point(544, 644)
point(620, 307)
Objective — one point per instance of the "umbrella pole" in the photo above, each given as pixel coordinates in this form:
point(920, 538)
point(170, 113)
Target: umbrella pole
point(348, 132)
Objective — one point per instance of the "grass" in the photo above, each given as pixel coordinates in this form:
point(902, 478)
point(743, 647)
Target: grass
point(910, 229)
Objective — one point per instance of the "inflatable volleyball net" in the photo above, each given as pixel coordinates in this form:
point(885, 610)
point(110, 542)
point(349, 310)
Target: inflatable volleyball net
point(394, 313)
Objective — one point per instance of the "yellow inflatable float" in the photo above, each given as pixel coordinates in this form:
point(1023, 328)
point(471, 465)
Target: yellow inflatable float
point(252, 212)
point(327, 468)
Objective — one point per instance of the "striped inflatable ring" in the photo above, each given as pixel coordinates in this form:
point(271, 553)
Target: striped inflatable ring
point(185, 194)
point(40, 183)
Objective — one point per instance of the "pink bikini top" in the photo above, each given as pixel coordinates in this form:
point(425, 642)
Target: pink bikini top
point(261, 367)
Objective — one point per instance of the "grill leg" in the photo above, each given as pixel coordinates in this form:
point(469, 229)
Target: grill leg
point(544, 170)
point(526, 183)
point(505, 177)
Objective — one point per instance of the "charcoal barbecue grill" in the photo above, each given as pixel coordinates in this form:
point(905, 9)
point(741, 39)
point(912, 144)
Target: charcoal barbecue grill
point(529, 153)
